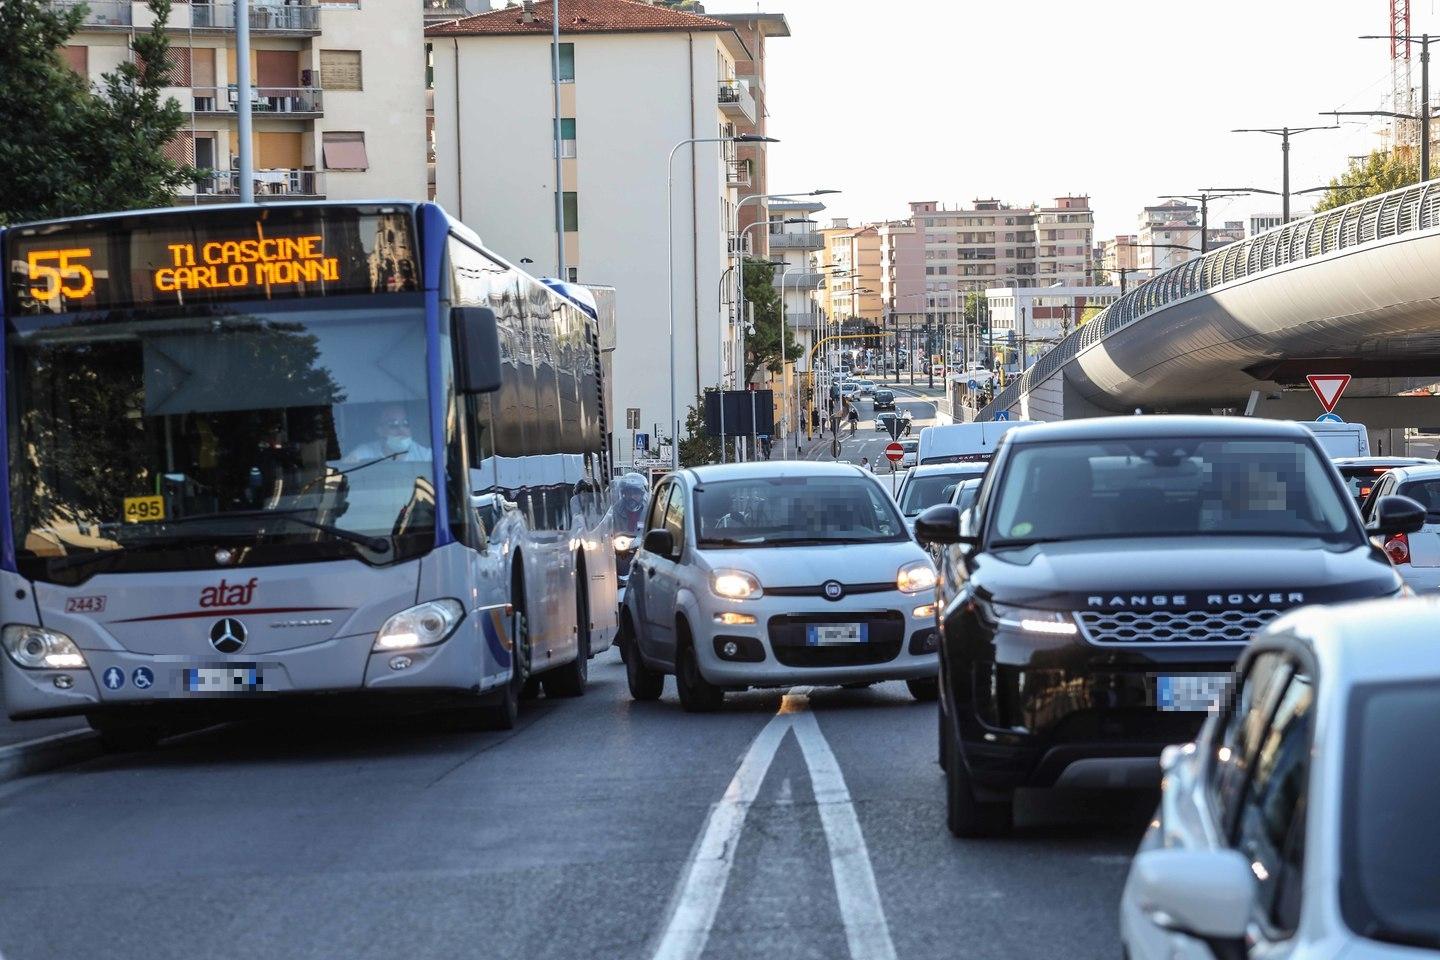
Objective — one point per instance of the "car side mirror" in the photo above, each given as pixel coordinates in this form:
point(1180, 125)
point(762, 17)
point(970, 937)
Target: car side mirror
point(1395, 514)
point(940, 524)
point(477, 338)
point(1206, 894)
point(659, 542)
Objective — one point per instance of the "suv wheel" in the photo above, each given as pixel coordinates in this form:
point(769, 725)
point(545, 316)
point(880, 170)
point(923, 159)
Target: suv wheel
point(926, 689)
point(964, 814)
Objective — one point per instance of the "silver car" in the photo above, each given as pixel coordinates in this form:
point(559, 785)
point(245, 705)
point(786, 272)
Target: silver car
point(1415, 555)
point(773, 574)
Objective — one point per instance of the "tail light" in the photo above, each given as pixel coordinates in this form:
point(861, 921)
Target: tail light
point(1397, 548)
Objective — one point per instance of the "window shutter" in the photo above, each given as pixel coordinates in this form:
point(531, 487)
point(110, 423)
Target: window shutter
point(345, 151)
point(340, 70)
point(77, 58)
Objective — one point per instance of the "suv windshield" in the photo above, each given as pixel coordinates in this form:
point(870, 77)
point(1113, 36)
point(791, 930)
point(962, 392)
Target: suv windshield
point(282, 436)
point(926, 491)
point(775, 511)
point(1168, 486)
point(1390, 839)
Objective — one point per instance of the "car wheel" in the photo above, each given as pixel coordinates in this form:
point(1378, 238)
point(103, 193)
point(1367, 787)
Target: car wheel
point(964, 814)
point(926, 690)
point(697, 695)
point(645, 684)
point(120, 734)
point(569, 680)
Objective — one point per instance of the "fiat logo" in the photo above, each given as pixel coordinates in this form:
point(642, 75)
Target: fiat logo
point(228, 635)
point(833, 590)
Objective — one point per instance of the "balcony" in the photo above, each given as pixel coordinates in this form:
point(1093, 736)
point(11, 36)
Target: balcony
point(437, 11)
point(737, 172)
point(297, 103)
point(224, 185)
point(100, 13)
point(736, 100)
point(806, 280)
point(265, 18)
point(801, 240)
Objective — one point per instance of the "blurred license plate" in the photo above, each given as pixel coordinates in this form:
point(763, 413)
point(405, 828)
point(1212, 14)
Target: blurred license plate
point(831, 634)
point(1189, 692)
point(241, 678)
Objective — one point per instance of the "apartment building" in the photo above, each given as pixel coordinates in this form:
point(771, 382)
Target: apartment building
point(853, 297)
point(1065, 232)
point(636, 82)
point(336, 94)
point(1118, 263)
point(792, 239)
point(1169, 234)
point(1260, 222)
point(1228, 232)
point(902, 277)
point(1039, 317)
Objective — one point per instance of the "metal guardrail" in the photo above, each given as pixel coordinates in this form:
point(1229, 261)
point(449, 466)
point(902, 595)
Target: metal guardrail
point(105, 13)
point(1407, 210)
point(263, 100)
point(804, 240)
point(263, 16)
point(267, 183)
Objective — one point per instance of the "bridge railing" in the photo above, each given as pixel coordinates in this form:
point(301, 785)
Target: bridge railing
point(1407, 210)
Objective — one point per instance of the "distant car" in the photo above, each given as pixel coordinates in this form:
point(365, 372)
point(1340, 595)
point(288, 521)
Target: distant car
point(934, 483)
point(884, 398)
point(911, 446)
point(1416, 555)
point(1301, 822)
point(849, 389)
point(966, 492)
point(1360, 473)
point(883, 420)
point(867, 387)
point(773, 574)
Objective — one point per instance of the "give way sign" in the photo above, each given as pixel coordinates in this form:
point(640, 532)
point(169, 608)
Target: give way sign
point(894, 452)
point(1328, 387)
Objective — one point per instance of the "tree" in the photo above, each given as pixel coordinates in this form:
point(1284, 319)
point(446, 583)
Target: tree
point(69, 150)
point(697, 447)
point(1380, 172)
point(762, 347)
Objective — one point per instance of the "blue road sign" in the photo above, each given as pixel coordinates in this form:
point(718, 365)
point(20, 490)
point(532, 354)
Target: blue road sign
point(113, 678)
point(972, 384)
point(142, 678)
point(1001, 415)
point(642, 441)
point(1329, 418)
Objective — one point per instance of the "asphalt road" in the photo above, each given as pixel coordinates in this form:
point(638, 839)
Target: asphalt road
point(598, 829)
point(869, 443)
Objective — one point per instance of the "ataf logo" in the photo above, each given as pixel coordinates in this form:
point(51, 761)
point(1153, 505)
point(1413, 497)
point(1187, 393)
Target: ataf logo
point(226, 594)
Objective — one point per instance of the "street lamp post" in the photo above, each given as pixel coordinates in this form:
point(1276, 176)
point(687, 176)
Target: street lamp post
point(1284, 133)
point(670, 265)
point(1203, 198)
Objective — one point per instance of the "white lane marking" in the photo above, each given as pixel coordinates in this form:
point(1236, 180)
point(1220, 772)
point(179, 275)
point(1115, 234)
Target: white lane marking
point(866, 930)
point(698, 897)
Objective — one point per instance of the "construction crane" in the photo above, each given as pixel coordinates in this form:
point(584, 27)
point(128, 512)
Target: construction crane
point(1400, 83)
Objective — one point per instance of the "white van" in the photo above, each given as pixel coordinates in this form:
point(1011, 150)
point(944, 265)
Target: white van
point(961, 442)
point(1340, 439)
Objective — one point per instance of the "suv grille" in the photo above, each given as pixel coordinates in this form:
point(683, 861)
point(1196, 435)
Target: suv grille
point(1173, 626)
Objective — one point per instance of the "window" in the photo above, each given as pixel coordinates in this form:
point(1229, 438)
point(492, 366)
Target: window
point(1241, 724)
point(567, 62)
point(570, 201)
point(1271, 831)
point(567, 137)
point(657, 508)
point(344, 150)
point(572, 274)
point(340, 70)
point(675, 519)
point(77, 58)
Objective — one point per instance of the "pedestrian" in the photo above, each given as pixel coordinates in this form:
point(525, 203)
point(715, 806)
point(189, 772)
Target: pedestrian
point(864, 463)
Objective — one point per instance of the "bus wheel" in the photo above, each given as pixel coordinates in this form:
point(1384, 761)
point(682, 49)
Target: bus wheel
point(569, 680)
point(503, 714)
point(120, 734)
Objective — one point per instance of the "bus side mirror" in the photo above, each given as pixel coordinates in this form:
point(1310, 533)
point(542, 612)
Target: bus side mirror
point(477, 336)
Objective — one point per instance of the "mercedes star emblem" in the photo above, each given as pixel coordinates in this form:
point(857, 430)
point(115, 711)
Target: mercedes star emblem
point(833, 590)
point(228, 635)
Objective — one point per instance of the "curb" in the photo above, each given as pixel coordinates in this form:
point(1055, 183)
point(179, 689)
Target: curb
point(58, 749)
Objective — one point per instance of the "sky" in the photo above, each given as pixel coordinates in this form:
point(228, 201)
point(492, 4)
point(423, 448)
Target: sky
point(1025, 100)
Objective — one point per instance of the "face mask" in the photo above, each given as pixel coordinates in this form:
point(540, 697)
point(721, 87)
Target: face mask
point(397, 443)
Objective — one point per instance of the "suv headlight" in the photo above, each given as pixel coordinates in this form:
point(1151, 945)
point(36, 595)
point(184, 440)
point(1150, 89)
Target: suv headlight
point(36, 648)
point(915, 576)
point(422, 625)
point(735, 585)
point(1030, 620)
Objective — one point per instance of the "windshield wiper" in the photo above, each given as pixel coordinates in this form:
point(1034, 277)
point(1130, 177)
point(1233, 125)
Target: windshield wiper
point(378, 544)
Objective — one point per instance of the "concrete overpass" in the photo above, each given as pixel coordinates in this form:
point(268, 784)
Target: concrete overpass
point(1354, 290)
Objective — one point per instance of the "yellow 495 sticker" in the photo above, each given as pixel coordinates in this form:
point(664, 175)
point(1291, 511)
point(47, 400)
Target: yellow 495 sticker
point(144, 509)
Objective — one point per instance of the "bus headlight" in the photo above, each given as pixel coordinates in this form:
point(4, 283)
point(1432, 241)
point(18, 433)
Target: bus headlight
point(420, 626)
point(915, 576)
point(36, 648)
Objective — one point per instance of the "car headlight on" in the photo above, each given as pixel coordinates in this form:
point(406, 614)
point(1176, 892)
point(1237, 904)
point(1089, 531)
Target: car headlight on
point(916, 576)
point(420, 626)
point(36, 648)
point(1054, 622)
point(622, 542)
point(735, 585)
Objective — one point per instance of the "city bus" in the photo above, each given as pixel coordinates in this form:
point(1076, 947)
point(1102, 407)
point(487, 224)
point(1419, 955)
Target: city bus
point(263, 452)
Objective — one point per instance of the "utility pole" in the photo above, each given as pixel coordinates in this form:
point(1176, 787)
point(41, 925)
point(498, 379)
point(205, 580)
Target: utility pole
point(242, 105)
point(1424, 118)
point(559, 166)
point(1203, 198)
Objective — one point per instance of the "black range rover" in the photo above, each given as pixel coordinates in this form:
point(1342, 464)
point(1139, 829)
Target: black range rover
point(1094, 600)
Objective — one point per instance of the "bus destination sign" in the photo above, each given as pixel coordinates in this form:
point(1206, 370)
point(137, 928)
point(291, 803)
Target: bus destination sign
point(181, 258)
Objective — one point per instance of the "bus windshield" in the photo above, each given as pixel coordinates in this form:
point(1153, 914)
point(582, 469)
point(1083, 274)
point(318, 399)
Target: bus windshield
point(220, 436)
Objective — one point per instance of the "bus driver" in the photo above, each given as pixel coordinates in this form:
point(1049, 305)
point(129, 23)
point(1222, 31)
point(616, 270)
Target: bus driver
point(392, 440)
